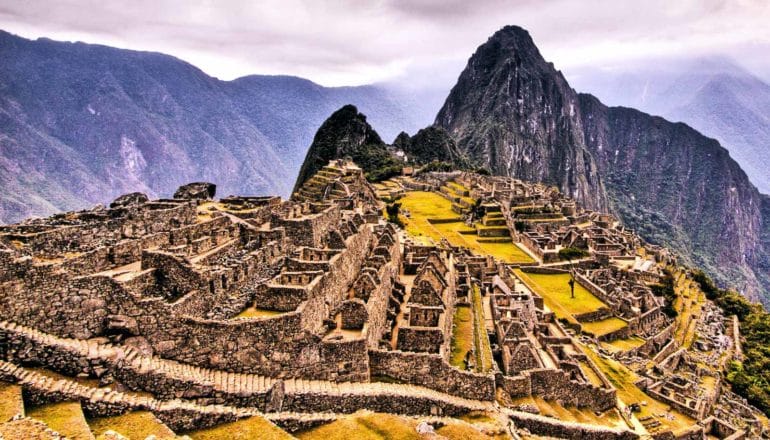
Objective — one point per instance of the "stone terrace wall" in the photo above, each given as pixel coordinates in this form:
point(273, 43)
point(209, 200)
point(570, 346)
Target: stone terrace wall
point(556, 385)
point(431, 371)
point(549, 427)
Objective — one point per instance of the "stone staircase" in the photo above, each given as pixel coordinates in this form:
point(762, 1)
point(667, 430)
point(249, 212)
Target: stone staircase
point(313, 188)
point(236, 389)
point(105, 401)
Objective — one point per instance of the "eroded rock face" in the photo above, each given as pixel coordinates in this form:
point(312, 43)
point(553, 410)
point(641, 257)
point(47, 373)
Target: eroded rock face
point(196, 191)
point(514, 114)
point(134, 198)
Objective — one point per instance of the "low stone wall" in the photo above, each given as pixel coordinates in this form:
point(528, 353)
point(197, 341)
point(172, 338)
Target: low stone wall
point(431, 371)
point(556, 385)
point(549, 427)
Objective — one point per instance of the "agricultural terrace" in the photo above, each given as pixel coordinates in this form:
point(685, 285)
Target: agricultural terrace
point(624, 381)
point(555, 290)
point(366, 425)
point(431, 218)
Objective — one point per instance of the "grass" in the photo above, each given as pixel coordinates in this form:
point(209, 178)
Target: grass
point(480, 337)
point(624, 344)
point(364, 426)
point(556, 294)
point(623, 380)
point(604, 327)
point(11, 402)
point(66, 418)
point(244, 429)
point(462, 336)
point(136, 425)
point(425, 206)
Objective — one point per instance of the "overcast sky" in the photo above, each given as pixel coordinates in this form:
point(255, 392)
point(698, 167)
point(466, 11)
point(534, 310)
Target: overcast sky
point(350, 42)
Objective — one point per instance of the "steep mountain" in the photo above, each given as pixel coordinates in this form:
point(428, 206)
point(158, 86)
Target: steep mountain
point(429, 144)
point(512, 111)
point(714, 95)
point(81, 124)
point(347, 134)
point(514, 114)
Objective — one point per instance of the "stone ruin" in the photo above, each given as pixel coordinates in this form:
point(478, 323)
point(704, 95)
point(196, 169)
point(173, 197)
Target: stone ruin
point(204, 311)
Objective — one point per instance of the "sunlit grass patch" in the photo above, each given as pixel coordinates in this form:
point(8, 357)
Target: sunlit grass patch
point(244, 429)
point(365, 426)
point(462, 336)
point(604, 327)
point(66, 418)
point(555, 290)
point(134, 425)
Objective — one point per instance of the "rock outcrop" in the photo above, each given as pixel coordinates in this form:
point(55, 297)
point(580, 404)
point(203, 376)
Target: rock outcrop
point(514, 114)
point(347, 134)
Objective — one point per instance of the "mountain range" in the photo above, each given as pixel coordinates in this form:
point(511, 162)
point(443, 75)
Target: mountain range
point(81, 124)
point(515, 113)
point(714, 95)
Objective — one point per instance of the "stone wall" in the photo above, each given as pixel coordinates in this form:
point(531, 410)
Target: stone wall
point(431, 371)
point(549, 427)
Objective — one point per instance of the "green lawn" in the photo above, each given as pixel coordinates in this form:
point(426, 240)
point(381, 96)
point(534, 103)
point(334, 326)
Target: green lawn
point(133, 424)
point(603, 327)
point(244, 429)
point(424, 206)
point(481, 339)
point(555, 290)
point(462, 336)
point(66, 418)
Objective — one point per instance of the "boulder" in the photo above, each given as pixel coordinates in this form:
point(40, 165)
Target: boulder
point(135, 198)
point(196, 190)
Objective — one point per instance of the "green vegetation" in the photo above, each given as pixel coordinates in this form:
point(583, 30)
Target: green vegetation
point(364, 426)
point(392, 210)
point(462, 336)
point(571, 253)
point(133, 424)
point(11, 402)
point(437, 166)
point(481, 339)
point(666, 290)
point(750, 378)
point(244, 429)
point(555, 290)
point(603, 327)
point(66, 418)
point(431, 218)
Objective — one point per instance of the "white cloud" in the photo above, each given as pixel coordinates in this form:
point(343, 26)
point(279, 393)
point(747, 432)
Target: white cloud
point(338, 42)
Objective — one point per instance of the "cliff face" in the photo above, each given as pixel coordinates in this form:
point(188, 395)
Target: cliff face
point(514, 113)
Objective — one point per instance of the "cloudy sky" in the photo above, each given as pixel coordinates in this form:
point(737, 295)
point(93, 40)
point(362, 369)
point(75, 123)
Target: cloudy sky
point(350, 42)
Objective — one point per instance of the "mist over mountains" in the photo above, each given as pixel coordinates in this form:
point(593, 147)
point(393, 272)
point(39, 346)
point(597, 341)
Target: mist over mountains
point(81, 124)
point(714, 95)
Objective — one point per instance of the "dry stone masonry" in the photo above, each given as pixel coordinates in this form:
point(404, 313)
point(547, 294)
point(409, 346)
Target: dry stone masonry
point(204, 311)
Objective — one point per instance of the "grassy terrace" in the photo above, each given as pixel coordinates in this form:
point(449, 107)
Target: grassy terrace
point(432, 218)
point(623, 380)
point(462, 336)
point(66, 418)
point(556, 294)
point(10, 401)
point(689, 302)
point(375, 426)
point(481, 339)
point(245, 429)
point(603, 327)
point(134, 425)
